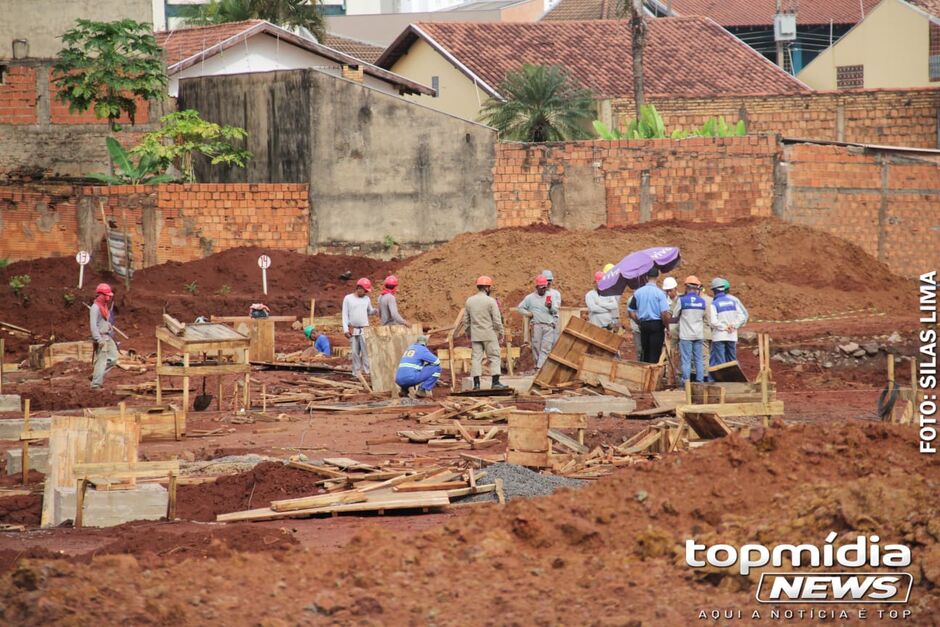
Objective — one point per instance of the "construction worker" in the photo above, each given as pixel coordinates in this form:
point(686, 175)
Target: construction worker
point(388, 303)
point(725, 318)
point(321, 344)
point(484, 324)
point(689, 313)
point(650, 308)
point(556, 299)
point(744, 312)
point(540, 308)
point(671, 287)
point(418, 367)
point(603, 311)
point(101, 321)
point(357, 308)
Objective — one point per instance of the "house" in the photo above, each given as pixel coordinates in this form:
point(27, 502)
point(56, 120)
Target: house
point(896, 45)
point(259, 46)
point(353, 47)
point(819, 22)
point(688, 56)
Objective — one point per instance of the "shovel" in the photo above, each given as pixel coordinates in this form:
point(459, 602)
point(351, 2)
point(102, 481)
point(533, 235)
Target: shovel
point(202, 402)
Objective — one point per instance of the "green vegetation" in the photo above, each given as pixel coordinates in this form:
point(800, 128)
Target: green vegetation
point(287, 13)
point(539, 104)
point(18, 283)
point(388, 242)
point(126, 172)
point(4, 262)
point(69, 299)
point(191, 287)
point(225, 290)
point(650, 126)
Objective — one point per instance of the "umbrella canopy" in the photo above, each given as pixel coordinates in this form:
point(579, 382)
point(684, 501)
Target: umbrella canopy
point(632, 268)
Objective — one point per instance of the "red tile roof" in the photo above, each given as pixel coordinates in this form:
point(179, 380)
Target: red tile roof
point(353, 47)
point(731, 13)
point(930, 6)
point(184, 43)
point(583, 10)
point(689, 56)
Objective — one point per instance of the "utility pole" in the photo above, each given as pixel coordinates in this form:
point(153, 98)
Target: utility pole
point(638, 43)
point(779, 42)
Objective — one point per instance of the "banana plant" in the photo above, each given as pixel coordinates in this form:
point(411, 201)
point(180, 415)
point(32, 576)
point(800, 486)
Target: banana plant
point(143, 172)
point(649, 126)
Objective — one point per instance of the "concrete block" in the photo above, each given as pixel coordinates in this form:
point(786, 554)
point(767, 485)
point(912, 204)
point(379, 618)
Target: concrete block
point(520, 384)
point(10, 402)
point(592, 405)
point(11, 428)
point(38, 459)
point(148, 501)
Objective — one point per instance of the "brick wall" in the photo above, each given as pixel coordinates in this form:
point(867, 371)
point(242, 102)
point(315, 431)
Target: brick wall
point(165, 222)
point(18, 96)
point(888, 203)
point(872, 116)
point(625, 182)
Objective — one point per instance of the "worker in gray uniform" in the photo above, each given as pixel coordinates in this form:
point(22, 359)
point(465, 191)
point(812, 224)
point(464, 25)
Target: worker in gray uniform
point(101, 321)
point(540, 308)
point(484, 324)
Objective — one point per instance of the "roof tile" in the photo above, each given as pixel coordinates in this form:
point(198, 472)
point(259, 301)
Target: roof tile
point(183, 43)
point(361, 50)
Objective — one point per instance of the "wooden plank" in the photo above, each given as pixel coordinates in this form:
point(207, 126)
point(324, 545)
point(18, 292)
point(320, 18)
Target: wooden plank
point(173, 325)
point(126, 468)
point(648, 438)
point(727, 372)
point(773, 408)
point(385, 346)
point(566, 441)
point(419, 487)
point(528, 432)
point(734, 392)
point(319, 500)
point(385, 501)
point(523, 458)
point(480, 489)
point(261, 339)
point(562, 420)
point(197, 371)
point(563, 362)
point(707, 426)
point(237, 319)
point(34, 435)
point(668, 399)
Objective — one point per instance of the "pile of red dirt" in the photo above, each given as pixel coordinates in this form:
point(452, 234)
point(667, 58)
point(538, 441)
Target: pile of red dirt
point(779, 270)
point(604, 553)
point(266, 482)
point(226, 283)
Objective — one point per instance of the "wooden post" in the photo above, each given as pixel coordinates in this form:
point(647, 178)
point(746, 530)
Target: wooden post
point(688, 392)
point(2, 356)
point(127, 254)
point(509, 365)
point(25, 446)
point(264, 398)
point(122, 409)
point(313, 304)
point(159, 363)
point(186, 381)
point(79, 502)
point(246, 392)
point(107, 235)
point(171, 502)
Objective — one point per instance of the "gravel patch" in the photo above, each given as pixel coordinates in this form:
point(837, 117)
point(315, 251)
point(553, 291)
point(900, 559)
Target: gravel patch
point(519, 481)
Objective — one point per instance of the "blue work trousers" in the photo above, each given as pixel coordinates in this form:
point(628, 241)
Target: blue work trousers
point(723, 352)
point(427, 377)
point(691, 352)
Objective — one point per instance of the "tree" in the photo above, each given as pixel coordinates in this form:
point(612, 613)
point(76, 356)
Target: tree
point(637, 48)
point(108, 66)
point(286, 13)
point(538, 104)
point(184, 134)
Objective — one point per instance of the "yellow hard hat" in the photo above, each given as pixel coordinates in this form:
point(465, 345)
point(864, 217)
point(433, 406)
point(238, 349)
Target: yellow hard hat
point(608, 268)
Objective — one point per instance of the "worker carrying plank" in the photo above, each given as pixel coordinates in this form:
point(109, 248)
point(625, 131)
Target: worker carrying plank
point(484, 324)
point(357, 307)
point(388, 303)
point(418, 367)
point(101, 321)
point(539, 307)
point(603, 311)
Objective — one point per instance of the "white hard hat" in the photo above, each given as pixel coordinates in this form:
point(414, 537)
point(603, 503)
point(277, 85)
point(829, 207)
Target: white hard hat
point(669, 283)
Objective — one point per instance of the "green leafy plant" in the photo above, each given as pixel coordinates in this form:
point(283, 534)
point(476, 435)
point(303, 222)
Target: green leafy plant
point(4, 262)
point(128, 172)
point(288, 13)
point(650, 126)
point(184, 134)
point(69, 299)
point(538, 104)
point(108, 66)
point(225, 290)
point(388, 242)
point(19, 282)
point(191, 287)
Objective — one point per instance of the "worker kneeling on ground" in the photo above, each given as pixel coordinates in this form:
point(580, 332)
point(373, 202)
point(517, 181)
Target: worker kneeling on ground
point(101, 321)
point(321, 343)
point(418, 367)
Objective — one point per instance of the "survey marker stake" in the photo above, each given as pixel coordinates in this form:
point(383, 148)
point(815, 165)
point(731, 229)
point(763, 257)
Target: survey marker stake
point(264, 262)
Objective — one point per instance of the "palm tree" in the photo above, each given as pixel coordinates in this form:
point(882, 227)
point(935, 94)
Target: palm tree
point(538, 104)
point(286, 13)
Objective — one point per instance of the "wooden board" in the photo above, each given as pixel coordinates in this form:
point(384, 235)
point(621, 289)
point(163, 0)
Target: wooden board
point(260, 332)
point(578, 338)
point(528, 432)
point(156, 423)
point(237, 319)
point(523, 458)
point(81, 439)
point(708, 426)
point(668, 399)
point(729, 371)
point(385, 346)
point(378, 501)
point(734, 392)
point(44, 356)
point(636, 376)
point(206, 336)
point(773, 408)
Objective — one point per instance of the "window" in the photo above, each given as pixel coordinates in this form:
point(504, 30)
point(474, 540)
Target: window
point(3, 74)
point(850, 76)
point(436, 83)
point(933, 61)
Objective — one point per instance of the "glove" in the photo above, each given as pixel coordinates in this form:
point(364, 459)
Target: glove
point(548, 302)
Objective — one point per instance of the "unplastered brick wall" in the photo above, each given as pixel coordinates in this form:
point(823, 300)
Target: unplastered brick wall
point(871, 116)
point(886, 202)
point(18, 101)
point(164, 222)
point(626, 182)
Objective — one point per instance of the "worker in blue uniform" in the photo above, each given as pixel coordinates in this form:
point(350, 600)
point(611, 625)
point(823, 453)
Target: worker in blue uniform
point(418, 367)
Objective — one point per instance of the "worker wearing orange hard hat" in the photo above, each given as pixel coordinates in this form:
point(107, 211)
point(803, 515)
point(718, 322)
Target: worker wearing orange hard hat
point(541, 310)
point(484, 324)
point(690, 312)
point(603, 311)
point(101, 321)
point(388, 303)
point(357, 307)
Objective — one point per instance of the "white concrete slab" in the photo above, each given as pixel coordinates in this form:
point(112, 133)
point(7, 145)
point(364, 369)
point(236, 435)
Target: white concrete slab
point(147, 501)
point(38, 460)
point(592, 405)
point(520, 384)
point(10, 402)
point(11, 428)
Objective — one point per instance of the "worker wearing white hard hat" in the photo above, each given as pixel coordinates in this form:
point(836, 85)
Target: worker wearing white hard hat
point(671, 287)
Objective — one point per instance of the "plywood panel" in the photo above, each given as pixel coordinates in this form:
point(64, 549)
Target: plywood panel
point(386, 345)
point(578, 338)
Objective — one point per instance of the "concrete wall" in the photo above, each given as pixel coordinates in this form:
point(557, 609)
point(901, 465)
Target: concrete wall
point(377, 165)
point(892, 43)
point(42, 22)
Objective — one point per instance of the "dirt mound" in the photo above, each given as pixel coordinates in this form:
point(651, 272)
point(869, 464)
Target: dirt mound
point(25, 509)
point(266, 482)
point(780, 271)
point(587, 556)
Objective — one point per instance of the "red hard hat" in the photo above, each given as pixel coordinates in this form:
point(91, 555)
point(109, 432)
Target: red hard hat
point(391, 280)
point(104, 288)
point(541, 281)
point(484, 281)
point(598, 276)
point(365, 284)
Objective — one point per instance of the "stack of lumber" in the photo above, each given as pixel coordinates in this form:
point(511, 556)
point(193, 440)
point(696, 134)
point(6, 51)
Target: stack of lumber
point(478, 436)
point(349, 486)
point(468, 409)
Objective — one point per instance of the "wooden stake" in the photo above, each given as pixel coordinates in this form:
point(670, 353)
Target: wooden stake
point(171, 503)
point(25, 445)
point(509, 364)
point(2, 356)
point(107, 235)
point(313, 304)
point(127, 254)
point(500, 495)
point(159, 363)
point(80, 502)
point(264, 398)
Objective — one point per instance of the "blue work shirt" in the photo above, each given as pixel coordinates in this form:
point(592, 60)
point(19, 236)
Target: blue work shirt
point(416, 357)
point(651, 302)
point(323, 345)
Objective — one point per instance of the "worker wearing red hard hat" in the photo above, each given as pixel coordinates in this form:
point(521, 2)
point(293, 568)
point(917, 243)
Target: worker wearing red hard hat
point(484, 324)
point(357, 308)
point(101, 319)
point(603, 311)
point(388, 303)
point(539, 307)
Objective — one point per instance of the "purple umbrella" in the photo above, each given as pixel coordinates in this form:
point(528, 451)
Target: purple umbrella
point(631, 269)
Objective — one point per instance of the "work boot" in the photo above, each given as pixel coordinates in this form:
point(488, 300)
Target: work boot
point(403, 391)
point(476, 383)
point(496, 385)
point(421, 393)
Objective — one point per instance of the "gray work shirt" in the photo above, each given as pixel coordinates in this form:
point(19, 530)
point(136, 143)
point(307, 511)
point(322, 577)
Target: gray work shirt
point(535, 305)
point(388, 310)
